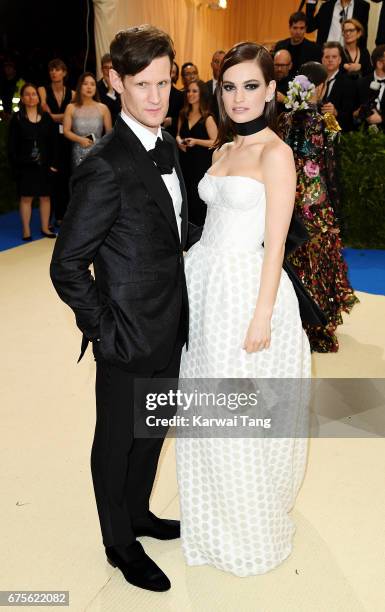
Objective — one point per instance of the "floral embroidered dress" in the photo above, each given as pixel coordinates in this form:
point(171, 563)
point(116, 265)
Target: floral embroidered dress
point(319, 262)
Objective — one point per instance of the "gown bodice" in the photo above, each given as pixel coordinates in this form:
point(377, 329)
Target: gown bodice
point(236, 212)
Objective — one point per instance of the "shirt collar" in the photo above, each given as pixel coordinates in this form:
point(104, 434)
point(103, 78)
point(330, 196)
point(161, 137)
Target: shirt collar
point(147, 138)
point(333, 76)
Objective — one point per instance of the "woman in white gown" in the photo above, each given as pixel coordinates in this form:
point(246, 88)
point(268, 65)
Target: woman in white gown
point(236, 493)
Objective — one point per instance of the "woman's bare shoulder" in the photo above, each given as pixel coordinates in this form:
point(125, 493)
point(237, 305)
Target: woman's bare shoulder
point(276, 149)
point(221, 151)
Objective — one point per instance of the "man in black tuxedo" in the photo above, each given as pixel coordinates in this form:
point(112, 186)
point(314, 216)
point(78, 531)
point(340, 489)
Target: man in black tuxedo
point(371, 92)
point(340, 91)
point(211, 85)
point(301, 50)
point(282, 69)
point(176, 103)
point(128, 217)
point(327, 21)
point(107, 93)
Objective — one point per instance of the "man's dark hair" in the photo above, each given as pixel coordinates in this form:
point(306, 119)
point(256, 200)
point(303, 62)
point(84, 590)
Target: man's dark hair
point(134, 49)
point(296, 17)
point(315, 72)
point(106, 58)
point(58, 64)
point(378, 54)
point(333, 44)
point(185, 66)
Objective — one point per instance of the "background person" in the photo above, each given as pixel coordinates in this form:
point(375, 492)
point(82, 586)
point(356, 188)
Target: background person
point(32, 149)
point(55, 98)
point(197, 132)
point(107, 94)
point(86, 118)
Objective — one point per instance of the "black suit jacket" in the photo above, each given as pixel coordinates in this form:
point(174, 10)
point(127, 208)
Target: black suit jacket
point(321, 21)
point(309, 52)
point(121, 219)
point(344, 97)
point(365, 94)
point(174, 107)
point(213, 100)
point(114, 106)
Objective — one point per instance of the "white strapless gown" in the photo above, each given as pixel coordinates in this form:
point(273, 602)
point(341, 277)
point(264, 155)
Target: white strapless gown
point(236, 493)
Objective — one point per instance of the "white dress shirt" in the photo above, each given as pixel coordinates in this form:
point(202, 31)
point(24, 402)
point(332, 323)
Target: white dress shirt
point(332, 79)
point(380, 92)
point(214, 85)
point(335, 32)
point(148, 140)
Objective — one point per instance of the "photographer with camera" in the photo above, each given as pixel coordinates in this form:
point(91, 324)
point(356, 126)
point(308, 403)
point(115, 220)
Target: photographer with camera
point(371, 92)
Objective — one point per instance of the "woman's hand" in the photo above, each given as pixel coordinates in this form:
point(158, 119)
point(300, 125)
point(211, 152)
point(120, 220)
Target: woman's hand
point(181, 144)
point(352, 67)
point(190, 142)
point(85, 142)
point(258, 335)
point(329, 108)
point(374, 118)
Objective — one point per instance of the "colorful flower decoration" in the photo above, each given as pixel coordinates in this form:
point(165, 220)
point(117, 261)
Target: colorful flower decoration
point(299, 93)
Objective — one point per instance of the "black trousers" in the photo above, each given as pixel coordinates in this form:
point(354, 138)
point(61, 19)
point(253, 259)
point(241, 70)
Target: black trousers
point(123, 467)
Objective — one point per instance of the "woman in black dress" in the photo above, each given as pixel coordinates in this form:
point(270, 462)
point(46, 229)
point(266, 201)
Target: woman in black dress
point(357, 61)
point(54, 100)
point(33, 152)
point(197, 132)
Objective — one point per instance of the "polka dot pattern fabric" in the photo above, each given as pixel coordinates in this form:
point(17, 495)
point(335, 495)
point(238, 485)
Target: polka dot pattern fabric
point(236, 493)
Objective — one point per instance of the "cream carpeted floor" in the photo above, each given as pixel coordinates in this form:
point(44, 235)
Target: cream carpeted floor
point(49, 529)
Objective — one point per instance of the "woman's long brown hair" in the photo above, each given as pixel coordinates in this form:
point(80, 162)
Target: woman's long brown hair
point(204, 101)
point(243, 52)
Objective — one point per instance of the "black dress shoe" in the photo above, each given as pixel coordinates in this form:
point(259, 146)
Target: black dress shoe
point(162, 529)
point(137, 567)
point(48, 234)
point(26, 238)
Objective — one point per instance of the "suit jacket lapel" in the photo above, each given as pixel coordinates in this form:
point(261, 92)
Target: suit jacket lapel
point(184, 212)
point(148, 172)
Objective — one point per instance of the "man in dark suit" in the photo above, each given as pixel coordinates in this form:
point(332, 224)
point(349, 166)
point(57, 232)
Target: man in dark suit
point(371, 92)
point(128, 217)
point(282, 69)
point(301, 50)
point(176, 103)
point(327, 21)
point(211, 85)
point(107, 93)
point(340, 91)
point(380, 38)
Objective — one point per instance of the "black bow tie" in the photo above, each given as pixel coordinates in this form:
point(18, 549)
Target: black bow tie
point(380, 80)
point(163, 156)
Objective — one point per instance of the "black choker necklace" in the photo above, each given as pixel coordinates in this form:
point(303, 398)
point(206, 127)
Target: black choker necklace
point(250, 127)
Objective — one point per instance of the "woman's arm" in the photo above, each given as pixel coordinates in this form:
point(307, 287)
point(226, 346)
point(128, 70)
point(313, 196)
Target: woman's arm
point(58, 118)
point(107, 121)
point(178, 139)
point(43, 99)
point(212, 131)
point(67, 129)
point(279, 177)
point(14, 142)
